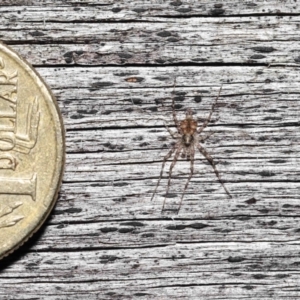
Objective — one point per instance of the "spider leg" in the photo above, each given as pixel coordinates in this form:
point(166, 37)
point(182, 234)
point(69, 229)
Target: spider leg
point(173, 134)
point(170, 173)
point(169, 154)
point(212, 163)
point(173, 108)
point(207, 136)
point(200, 129)
point(192, 156)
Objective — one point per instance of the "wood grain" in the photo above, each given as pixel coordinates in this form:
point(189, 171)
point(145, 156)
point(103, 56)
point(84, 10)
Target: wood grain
point(111, 65)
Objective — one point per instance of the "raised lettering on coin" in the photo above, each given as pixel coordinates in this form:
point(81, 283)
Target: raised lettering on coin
point(31, 151)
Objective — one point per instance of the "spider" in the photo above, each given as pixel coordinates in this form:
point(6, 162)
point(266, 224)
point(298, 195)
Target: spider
point(188, 138)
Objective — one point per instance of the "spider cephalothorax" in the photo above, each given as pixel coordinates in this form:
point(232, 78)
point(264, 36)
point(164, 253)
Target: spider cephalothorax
point(188, 137)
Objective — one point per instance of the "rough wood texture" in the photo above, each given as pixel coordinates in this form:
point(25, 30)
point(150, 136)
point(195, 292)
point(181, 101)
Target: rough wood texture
point(112, 65)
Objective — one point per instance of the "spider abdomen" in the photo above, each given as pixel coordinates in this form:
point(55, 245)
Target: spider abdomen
point(188, 126)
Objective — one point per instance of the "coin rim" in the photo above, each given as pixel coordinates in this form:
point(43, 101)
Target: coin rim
point(59, 174)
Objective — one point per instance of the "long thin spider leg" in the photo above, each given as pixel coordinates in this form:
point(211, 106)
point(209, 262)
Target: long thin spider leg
point(169, 154)
point(189, 179)
point(207, 136)
point(211, 161)
point(170, 173)
point(173, 108)
point(200, 129)
point(173, 134)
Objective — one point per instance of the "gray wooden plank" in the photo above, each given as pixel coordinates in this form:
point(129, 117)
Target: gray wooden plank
point(105, 238)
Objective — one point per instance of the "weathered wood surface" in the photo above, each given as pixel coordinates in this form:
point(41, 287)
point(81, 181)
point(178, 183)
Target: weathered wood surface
point(111, 65)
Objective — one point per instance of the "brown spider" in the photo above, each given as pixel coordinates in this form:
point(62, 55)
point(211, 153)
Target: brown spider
point(187, 139)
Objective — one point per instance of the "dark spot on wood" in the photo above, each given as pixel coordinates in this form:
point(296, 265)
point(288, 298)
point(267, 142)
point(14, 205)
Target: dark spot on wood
point(244, 218)
point(176, 227)
point(109, 145)
point(248, 287)
point(152, 108)
point(135, 266)
point(179, 98)
point(68, 60)
point(121, 199)
point(263, 49)
point(251, 201)
point(129, 109)
point(145, 144)
point(266, 173)
point(251, 4)
point(110, 293)
point(124, 74)
point(70, 54)
point(161, 78)
point(176, 3)
point(164, 33)
point(108, 229)
point(197, 99)
point(138, 138)
point(180, 93)
point(158, 101)
point(88, 112)
point(222, 230)
point(75, 117)
point(162, 138)
point(121, 183)
point(199, 59)
point(280, 276)
point(184, 10)
point(132, 223)
point(173, 40)
point(178, 106)
point(125, 230)
point(98, 184)
point(134, 101)
point(141, 294)
point(148, 235)
point(230, 151)
point(277, 161)
point(101, 84)
point(272, 118)
point(217, 12)
point(134, 79)
point(297, 59)
point(116, 9)
point(259, 276)
point(235, 259)
point(31, 265)
point(139, 10)
point(68, 211)
point(106, 112)
point(170, 195)
point(257, 56)
point(36, 33)
point(197, 225)
point(218, 5)
point(268, 90)
point(107, 258)
point(160, 61)
point(271, 110)
point(124, 55)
